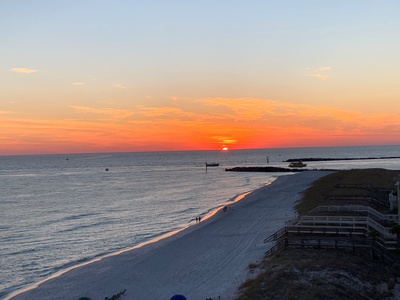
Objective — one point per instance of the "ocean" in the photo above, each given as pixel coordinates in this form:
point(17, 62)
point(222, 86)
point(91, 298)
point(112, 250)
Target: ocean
point(57, 211)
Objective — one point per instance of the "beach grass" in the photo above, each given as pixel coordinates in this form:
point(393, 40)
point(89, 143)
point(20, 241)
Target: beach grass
point(320, 274)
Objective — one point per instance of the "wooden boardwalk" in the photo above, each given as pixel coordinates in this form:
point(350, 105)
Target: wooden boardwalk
point(328, 237)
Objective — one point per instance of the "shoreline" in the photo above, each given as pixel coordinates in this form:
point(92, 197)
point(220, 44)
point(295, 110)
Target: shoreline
point(203, 260)
point(157, 239)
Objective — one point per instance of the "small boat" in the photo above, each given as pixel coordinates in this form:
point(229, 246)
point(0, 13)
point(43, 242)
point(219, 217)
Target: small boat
point(297, 164)
point(212, 164)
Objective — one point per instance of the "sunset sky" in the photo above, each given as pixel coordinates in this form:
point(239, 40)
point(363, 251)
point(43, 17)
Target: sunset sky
point(125, 75)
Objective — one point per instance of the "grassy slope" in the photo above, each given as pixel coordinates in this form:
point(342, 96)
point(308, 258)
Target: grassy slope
point(321, 274)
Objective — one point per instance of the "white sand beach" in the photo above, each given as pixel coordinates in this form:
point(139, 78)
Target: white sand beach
point(206, 260)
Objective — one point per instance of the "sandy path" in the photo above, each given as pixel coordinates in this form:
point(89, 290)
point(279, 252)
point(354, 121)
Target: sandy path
point(207, 260)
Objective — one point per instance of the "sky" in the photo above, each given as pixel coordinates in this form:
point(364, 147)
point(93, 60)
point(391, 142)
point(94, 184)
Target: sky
point(125, 75)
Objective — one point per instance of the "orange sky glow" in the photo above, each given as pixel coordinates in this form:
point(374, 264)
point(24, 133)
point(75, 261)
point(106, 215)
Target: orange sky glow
point(212, 124)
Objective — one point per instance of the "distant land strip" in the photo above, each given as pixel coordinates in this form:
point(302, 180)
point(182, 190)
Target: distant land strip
point(272, 169)
point(279, 169)
point(330, 159)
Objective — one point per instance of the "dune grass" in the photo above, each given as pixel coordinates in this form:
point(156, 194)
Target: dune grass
point(319, 274)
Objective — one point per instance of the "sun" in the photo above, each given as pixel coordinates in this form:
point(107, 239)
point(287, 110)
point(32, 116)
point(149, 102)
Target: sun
point(225, 149)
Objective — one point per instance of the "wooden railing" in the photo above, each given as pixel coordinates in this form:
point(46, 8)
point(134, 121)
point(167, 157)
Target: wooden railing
point(279, 246)
point(352, 232)
point(328, 238)
point(359, 209)
point(347, 221)
point(275, 236)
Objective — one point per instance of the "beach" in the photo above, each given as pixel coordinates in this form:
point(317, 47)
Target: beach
point(206, 260)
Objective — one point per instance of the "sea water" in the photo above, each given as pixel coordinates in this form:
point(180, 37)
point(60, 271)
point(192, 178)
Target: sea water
point(60, 210)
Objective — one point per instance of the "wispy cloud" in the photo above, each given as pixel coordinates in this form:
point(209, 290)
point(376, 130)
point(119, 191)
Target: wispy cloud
point(197, 123)
point(120, 86)
point(159, 112)
point(226, 140)
point(23, 70)
point(78, 83)
point(321, 73)
point(115, 113)
point(265, 114)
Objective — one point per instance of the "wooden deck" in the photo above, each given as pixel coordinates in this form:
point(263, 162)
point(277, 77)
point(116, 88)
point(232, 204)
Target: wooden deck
point(340, 226)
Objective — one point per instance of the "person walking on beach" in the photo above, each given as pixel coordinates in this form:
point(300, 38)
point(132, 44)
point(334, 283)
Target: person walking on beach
point(199, 219)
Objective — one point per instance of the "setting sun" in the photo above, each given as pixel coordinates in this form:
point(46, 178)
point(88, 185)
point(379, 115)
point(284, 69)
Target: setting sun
point(225, 149)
